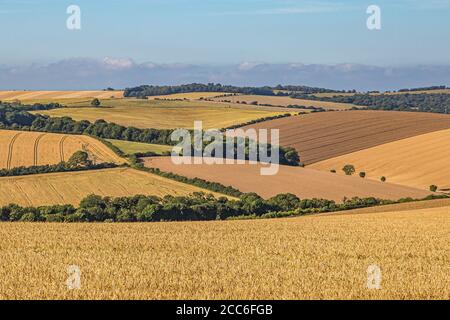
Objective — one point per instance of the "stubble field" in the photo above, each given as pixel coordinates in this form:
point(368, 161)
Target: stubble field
point(300, 258)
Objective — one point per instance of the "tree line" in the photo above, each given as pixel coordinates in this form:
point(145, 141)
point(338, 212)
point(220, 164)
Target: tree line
point(195, 207)
point(149, 90)
point(421, 102)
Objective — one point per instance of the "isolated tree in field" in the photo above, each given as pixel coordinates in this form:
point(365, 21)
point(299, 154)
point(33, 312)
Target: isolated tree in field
point(79, 159)
point(333, 171)
point(348, 169)
point(433, 188)
point(95, 102)
point(362, 174)
point(383, 179)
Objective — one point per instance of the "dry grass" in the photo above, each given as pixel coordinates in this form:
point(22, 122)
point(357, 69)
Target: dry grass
point(325, 135)
point(285, 101)
point(71, 187)
point(418, 162)
point(300, 258)
point(162, 114)
point(26, 96)
point(303, 182)
point(24, 148)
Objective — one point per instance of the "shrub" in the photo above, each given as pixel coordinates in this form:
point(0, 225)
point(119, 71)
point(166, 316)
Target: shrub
point(362, 174)
point(333, 171)
point(348, 169)
point(383, 179)
point(95, 102)
point(433, 188)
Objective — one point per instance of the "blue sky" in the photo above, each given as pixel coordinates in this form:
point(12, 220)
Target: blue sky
point(227, 31)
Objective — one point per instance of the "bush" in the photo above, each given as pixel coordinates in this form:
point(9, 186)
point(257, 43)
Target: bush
point(383, 179)
point(95, 102)
point(362, 174)
point(333, 171)
point(348, 169)
point(433, 188)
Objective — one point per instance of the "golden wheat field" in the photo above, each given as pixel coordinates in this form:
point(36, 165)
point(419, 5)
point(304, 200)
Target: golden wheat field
point(309, 257)
point(25, 96)
point(71, 187)
point(162, 114)
point(427, 161)
point(25, 148)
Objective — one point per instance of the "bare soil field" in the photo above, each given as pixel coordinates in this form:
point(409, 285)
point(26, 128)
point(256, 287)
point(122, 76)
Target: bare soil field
point(419, 161)
point(25, 148)
point(72, 187)
point(303, 182)
point(25, 96)
point(312, 257)
point(285, 101)
point(325, 135)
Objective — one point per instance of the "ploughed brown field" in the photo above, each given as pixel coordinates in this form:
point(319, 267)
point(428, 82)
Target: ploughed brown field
point(324, 135)
point(303, 182)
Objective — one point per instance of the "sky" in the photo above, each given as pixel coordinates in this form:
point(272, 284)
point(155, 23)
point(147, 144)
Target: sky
point(226, 32)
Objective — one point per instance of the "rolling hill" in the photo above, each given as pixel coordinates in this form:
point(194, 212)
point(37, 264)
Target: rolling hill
point(27, 148)
point(71, 187)
point(303, 182)
point(325, 135)
point(419, 161)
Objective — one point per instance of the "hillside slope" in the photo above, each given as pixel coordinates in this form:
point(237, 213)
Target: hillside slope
point(418, 161)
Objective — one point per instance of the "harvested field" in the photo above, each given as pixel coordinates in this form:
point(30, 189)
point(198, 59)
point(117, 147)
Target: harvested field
point(325, 135)
point(313, 257)
point(285, 101)
point(71, 187)
point(305, 183)
point(419, 161)
point(162, 114)
point(25, 96)
point(25, 148)
point(130, 147)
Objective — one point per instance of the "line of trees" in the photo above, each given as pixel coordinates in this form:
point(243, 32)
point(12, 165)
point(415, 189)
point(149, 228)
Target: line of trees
point(422, 102)
point(147, 90)
point(195, 207)
point(79, 161)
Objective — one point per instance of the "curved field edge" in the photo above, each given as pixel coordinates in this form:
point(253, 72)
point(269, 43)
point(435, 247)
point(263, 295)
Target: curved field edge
point(316, 257)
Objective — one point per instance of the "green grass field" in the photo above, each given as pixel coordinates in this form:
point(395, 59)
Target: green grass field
point(130, 147)
point(161, 114)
